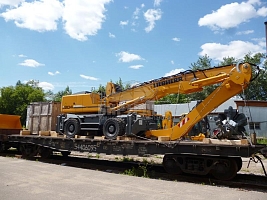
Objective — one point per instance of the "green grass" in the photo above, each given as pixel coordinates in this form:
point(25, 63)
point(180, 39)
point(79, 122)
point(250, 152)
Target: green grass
point(261, 140)
point(127, 159)
point(140, 171)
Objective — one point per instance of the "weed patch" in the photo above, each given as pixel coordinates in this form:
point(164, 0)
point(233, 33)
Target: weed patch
point(140, 171)
point(262, 140)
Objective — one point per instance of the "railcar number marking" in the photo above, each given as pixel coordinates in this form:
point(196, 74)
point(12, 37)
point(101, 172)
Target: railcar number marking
point(85, 147)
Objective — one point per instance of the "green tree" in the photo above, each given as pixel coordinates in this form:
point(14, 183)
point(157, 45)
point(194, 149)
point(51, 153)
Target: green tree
point(58, 96)
point(172, 99)
point(15, 99)
point(257, 89)
point(122, 85)
point(49, 95)
point(203, 62)
point(227, 61)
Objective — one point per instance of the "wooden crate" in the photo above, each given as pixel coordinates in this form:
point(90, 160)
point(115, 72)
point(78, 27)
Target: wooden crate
point(42, 116)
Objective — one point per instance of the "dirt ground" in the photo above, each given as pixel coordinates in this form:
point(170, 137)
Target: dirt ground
point(30, 180)
point(254, 168)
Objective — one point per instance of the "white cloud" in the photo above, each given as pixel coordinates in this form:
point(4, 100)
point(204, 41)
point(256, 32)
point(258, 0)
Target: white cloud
point(245, 32)
point(174, 71)
point(124, 23)
point(151, 16)
point(53, 74)
point(31, 63)
point(82, 18)
point(260, 41)
point(254, 2)
point(22, 56)
point(89, 77)
point(46, 85)
point(136, 16)
point(157, 2)
point(172, 62)
point(111, 35)
point(128, 57)
point(231, 15)
point(136, 66)
point(262, 12)
point(136, 13)
point(38, 15)
point(10, 2)
point(176, 39)
point(236, 49)
point(142, 5)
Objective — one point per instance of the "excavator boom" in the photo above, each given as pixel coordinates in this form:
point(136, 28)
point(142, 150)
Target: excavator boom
point(184, 83)
point(234, 83)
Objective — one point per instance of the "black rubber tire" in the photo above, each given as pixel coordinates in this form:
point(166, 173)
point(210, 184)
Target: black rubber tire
point(113, 127)
point(225, 169)
point(71, 128)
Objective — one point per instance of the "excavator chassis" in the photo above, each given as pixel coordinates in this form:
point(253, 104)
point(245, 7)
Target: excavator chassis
point(110, 126)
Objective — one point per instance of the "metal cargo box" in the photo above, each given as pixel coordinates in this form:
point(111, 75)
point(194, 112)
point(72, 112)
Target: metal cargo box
point(42, 116)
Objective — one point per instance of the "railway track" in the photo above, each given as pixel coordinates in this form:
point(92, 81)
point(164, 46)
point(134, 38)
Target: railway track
point(155, 170)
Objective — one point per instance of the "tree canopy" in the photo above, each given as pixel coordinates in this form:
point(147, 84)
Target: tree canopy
point(15, 99)
point(257, 89)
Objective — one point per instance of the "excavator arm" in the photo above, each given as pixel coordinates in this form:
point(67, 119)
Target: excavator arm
point(183, 83)
point(232, 84)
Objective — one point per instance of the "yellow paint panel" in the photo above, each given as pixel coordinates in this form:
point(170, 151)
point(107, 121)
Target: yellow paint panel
point(10, 122)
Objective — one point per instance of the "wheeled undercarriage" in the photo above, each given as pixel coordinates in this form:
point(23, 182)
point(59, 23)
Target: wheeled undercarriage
point(111, 126)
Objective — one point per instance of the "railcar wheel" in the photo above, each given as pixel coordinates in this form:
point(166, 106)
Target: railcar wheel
point(2, 147)
point(46, 152)
point(65, 153)
point(225, 169)
point(170, 165)
point(28, 151)
point(71, 128)
point(239, 163)
point(113, 127)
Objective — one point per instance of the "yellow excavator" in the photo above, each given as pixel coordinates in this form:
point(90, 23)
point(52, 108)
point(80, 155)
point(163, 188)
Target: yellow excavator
point(112, 114)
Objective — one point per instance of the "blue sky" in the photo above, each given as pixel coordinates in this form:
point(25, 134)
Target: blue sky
point(85, 43)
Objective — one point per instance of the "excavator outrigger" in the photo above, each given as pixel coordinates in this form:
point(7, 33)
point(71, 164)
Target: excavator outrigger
point(112, 114)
